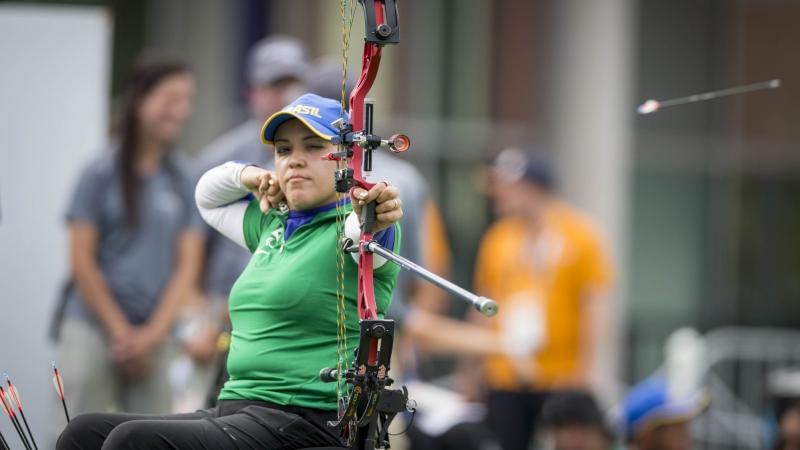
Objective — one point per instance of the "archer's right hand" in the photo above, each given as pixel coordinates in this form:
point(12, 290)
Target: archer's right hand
point(264, 186)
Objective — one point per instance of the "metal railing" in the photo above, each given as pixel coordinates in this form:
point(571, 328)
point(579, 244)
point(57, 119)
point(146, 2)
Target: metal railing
point(739, 369)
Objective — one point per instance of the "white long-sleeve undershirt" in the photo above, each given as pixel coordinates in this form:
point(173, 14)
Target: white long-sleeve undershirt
point(222, 200)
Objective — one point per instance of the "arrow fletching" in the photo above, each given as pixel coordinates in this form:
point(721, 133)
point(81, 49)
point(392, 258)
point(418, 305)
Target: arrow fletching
point(14, 393)
point(9, 399)
point(5, 401)
point(57, 382)
point(57, 385)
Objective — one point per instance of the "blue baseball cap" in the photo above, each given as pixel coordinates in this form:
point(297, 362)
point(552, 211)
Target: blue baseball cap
point(651, 404)
point(317, 113)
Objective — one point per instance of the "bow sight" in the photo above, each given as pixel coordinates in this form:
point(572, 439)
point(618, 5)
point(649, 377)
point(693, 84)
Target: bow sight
point(396, 143)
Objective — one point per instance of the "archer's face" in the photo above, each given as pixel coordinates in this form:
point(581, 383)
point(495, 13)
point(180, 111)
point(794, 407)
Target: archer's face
point(305, 178)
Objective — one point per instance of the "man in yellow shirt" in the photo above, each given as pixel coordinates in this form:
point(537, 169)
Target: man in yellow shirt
point(544, 264)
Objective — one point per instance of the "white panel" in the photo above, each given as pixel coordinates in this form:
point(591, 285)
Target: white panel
point(54, 75)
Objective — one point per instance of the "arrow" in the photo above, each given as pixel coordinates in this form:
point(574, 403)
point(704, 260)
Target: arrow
point(5, 397)
point(15, 394)
point(58, 384)
point(651, 106)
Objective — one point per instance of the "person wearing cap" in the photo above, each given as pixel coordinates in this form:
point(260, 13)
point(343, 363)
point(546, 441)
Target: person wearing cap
point(544, 263)
point(283, 307)
point(656, 418)
point(275, 70)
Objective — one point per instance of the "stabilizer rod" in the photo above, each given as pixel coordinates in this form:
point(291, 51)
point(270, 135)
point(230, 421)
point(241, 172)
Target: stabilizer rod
point(485, 306)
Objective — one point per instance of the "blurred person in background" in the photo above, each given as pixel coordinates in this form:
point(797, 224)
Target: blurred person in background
point(275, 69)
point(450, 417)
point(788, 437)
point(572, 420)
point(544, 263)
point(136, 245)
point(655, 418)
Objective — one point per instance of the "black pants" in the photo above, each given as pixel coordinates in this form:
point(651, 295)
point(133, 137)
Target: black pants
point(232, 425)
point(512, 417)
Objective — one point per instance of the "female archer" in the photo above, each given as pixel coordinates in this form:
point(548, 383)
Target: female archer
point(283, 307)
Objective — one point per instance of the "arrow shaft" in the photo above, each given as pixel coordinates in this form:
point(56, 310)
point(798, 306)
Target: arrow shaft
point(18, 427)
point(4, 442)
point(25, 420)
point(64, 404)
point(771, 84)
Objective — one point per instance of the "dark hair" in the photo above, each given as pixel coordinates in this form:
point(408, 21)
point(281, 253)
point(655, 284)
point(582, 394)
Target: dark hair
point(146, 75)
point(574, 408)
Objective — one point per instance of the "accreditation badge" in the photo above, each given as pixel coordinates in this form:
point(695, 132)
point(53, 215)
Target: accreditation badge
point(524, 329)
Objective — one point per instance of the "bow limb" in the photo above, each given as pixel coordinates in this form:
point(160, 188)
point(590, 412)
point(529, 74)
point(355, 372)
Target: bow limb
point(369, 71)
point(367, 307)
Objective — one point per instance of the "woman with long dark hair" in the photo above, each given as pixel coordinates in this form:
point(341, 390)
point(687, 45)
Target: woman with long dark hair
point(136, 243)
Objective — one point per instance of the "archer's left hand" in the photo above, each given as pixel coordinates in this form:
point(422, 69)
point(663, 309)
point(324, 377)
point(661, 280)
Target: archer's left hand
point(389, 207)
